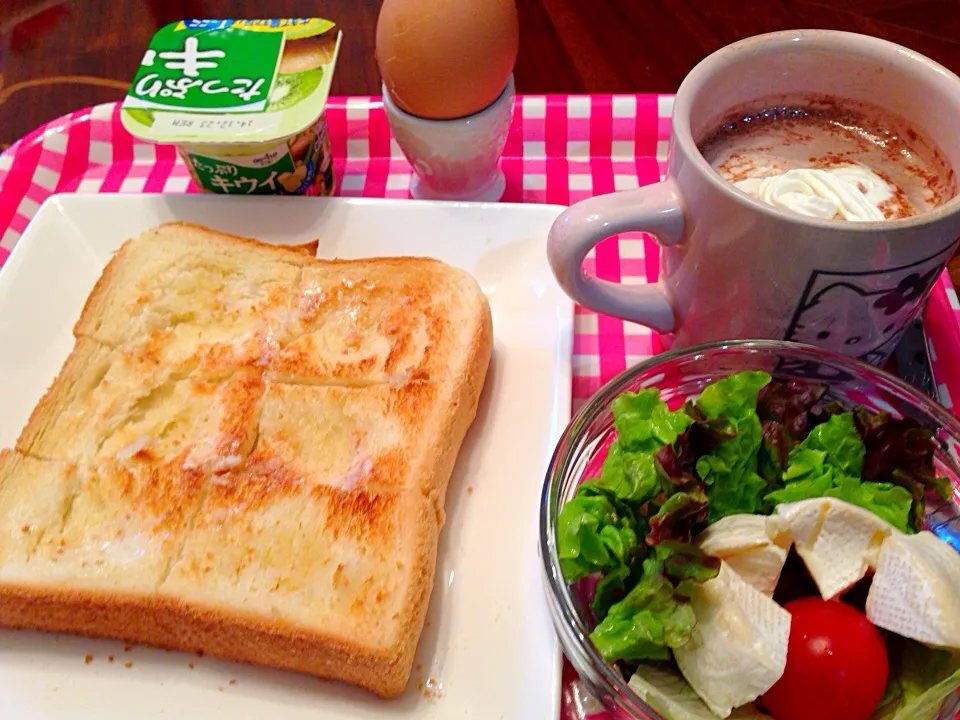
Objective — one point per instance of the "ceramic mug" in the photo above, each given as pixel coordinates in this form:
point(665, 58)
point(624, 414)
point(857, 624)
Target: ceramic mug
point(732, 266)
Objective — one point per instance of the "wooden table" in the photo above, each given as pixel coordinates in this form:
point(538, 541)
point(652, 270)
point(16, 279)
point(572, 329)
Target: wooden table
point(85, 51)
point(82, 52)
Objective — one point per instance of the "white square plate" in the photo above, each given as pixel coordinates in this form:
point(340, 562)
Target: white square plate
point(488, 649)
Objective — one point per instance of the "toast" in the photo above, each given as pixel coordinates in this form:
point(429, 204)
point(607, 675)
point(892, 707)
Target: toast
point(247, 454)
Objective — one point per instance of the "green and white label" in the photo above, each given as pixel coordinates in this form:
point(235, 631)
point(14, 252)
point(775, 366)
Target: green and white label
point(253, 175)
point(207, 70)
point(232, 81)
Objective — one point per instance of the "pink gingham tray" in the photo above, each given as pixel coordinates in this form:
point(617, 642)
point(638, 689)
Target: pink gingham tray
point(560, 149)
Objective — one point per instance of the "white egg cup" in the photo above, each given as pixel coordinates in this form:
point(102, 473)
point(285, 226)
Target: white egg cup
point(455, 159)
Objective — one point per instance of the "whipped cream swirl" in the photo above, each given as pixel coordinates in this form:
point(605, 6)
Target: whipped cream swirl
point(848, 192)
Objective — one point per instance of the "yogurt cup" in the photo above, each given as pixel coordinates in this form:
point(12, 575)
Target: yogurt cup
point(242, 100)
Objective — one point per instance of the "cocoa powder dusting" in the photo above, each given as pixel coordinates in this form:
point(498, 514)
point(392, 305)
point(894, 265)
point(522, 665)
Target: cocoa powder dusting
point(825, 132)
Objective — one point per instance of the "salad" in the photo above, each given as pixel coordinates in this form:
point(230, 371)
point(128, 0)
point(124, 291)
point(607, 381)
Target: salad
point(759, 553)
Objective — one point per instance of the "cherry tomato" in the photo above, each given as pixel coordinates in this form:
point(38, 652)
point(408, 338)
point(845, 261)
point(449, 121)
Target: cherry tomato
point(836, 664)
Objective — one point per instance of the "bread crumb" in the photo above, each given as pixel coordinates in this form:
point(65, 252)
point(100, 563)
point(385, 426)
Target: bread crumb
point(199, 653)
point(24, 528)
point(88, 659)
point(220, 688)
point(190, 665)
point(128, 664)
point(419, 667)
point(433, 688)
point(127, 648)
point(232, 682)
point(110, 658)
point(469, 489)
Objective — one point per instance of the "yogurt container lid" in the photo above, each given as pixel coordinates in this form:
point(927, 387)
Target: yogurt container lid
point(232, 81)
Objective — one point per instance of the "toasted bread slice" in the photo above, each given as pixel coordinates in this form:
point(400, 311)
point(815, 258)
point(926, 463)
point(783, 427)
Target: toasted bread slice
point(357, 438)
point(392, 320)
point(35, 496)
point(185, 295)
point(247, 453)
point(350, 570)
point(108, 406)
point(121, 528)
point(330, 526)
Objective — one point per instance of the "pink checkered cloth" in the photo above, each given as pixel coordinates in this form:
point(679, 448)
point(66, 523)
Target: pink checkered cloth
point(560, 149)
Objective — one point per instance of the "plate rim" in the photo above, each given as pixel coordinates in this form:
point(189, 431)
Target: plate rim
point(563, 309)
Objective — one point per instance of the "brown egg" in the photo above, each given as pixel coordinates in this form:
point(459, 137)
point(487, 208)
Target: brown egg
point(443, 59)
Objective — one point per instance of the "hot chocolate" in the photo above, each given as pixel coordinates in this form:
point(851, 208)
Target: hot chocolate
point(830, 159)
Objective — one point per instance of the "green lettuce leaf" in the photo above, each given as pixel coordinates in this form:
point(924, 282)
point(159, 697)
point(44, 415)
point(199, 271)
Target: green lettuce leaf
point(888, 501)
point(816, 486)
point(593, 536)
point(648, 621)
point(663, 688)
point(730, 469)
point(828, 464)
point(921, 678)
point(734, 397)
point(645, 423)
point(685, 565)
point(676, 464)
point(627, 476)
point(654, 616)
point(901, 451)
point(601, 528)
point(610, 589)
point(839, 441)
point(813, 466)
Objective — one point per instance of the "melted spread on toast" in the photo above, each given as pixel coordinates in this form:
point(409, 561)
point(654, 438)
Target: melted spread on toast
point(236, 430)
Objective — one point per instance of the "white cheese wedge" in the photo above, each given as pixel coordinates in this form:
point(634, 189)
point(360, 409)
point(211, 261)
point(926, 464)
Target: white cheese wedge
point(838, 542)
point(742, 541)
point(916, 590)
point(738, 648)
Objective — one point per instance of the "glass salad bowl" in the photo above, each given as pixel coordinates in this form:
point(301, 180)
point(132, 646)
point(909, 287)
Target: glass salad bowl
point(681, 375)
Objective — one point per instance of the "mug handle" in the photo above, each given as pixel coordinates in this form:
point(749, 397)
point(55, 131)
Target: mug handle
point(655, 209)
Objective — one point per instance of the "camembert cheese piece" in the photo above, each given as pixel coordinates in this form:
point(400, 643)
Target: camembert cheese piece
point(838, 542)
point(916, 590)
point(738, 648)
point(742, 541)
